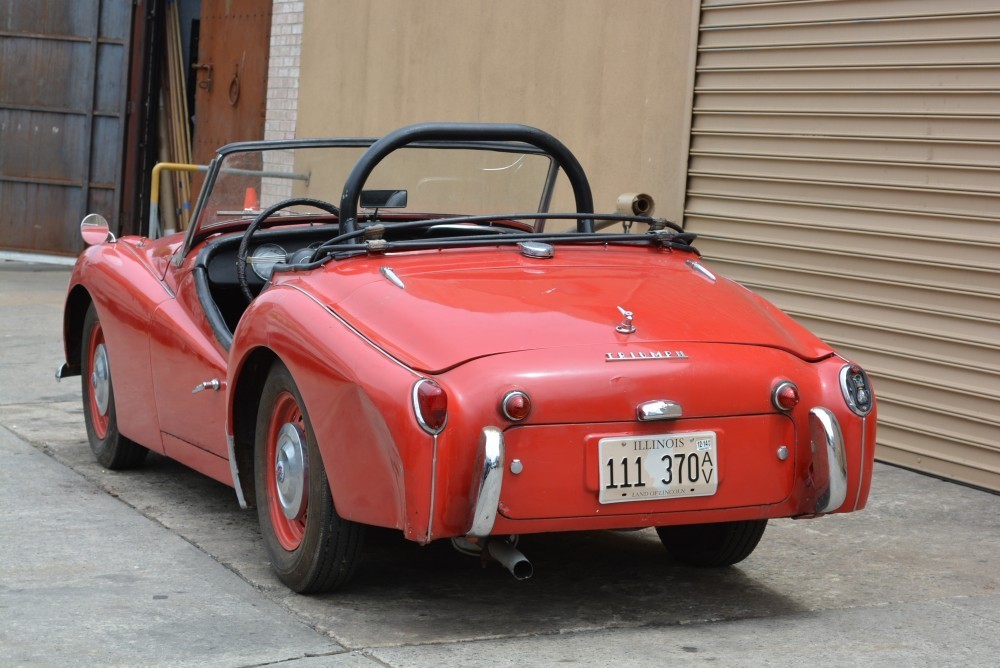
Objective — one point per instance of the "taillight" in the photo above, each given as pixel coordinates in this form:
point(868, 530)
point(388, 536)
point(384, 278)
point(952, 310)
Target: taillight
point(785, 396)
point(515, 405)
point(857, 389)
point(430, 404)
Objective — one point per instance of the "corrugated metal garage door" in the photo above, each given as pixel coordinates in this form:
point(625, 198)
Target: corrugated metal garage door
point(845, 163)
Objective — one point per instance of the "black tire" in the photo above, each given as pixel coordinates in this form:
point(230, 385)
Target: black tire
point(112, 450)
point(317, 551)
point(712, 545)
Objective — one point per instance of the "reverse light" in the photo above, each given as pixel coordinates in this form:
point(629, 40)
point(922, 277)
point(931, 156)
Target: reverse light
point(515, 405)
point(785, 396)
point(430, 405)
point(857, 389)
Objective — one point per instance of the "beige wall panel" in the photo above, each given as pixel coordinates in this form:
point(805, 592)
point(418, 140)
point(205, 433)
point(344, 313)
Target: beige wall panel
point(845, 163)
point(901, 124)
point(956, 52)
point(952, 202)
point(611, 80)
point(963, 231)
point(974, 26)
point(935, 77)
point(756, 272)
point(851, 100)
point(930, 250)
point(914, 151)
point(985, 180)
point(981, 282)
point(718, 13)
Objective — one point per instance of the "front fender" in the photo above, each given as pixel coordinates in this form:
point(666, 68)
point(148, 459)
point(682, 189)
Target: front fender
point(125, 293)
point(376, 459)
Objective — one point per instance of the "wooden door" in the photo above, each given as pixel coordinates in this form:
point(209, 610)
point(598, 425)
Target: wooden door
point(231, 94)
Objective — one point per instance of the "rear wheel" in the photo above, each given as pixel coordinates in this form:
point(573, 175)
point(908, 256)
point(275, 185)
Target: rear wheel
point(112, 450)
point(311, 547)
point(712, 545)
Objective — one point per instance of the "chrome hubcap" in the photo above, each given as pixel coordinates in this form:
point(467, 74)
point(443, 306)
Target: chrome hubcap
point(291, 470)
point(100, 378)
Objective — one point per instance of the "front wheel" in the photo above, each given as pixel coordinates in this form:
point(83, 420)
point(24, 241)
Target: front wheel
point(311, 547)
point(712, 545)
point(112, 450)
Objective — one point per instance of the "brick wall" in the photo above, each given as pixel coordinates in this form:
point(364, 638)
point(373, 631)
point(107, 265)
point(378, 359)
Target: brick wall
point(282, 92)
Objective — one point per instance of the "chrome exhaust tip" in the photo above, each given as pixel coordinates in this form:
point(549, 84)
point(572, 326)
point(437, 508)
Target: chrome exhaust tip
point(510, 558)
point(499, 549)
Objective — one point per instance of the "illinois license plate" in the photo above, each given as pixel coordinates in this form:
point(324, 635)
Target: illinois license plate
point(664, 466)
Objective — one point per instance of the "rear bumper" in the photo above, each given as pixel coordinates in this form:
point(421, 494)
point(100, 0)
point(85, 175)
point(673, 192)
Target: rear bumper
point(554, 487)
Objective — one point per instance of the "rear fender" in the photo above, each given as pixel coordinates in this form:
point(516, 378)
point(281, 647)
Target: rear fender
point(374, 454)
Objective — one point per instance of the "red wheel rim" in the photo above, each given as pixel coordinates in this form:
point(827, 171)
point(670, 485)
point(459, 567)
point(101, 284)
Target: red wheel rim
point(289, 532)
point(96, 350)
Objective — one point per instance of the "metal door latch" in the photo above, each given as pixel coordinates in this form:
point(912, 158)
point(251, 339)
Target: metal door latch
point(206, 84)
point(214, 384)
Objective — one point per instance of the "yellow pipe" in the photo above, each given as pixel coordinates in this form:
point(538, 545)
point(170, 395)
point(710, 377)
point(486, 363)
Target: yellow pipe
point(154, 190)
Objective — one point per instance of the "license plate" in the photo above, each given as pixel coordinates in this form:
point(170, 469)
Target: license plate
point(662, 466)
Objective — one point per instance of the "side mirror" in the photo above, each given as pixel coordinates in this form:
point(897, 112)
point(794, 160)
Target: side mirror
point(383, 199)
point(94, 230)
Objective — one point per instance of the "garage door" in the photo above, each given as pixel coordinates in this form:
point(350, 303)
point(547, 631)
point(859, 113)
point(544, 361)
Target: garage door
point(845, 163)
point(63, 69)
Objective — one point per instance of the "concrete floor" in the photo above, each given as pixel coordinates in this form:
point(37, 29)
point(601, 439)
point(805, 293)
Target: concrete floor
point(160, 567)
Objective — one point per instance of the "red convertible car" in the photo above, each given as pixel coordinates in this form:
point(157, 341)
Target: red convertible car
point(439, 353)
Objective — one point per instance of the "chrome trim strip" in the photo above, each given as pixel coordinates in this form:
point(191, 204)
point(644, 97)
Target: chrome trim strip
point(231, 446)
point(66, 370)
point(485, 497)
point(861, 463)
point(701, 269)
point(391, 276)
point(661, 409)
point(350, 327)
point(829, 460)
point(434, 475)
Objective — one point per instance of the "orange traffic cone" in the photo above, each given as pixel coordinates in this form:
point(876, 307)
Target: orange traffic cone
point(250, 201)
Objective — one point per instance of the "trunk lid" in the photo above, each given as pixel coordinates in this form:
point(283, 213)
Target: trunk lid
point(462, 305)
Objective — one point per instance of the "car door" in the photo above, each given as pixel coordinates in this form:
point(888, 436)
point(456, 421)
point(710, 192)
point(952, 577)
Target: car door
point(189, 371)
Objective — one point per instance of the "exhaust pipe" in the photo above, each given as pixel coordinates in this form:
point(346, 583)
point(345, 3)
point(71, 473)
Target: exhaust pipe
point(510, 558)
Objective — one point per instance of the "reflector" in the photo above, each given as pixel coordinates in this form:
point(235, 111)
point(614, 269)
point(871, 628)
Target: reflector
point(515, 405)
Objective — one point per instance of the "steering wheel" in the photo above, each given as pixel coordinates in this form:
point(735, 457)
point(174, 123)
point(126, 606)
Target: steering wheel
point(241, 254)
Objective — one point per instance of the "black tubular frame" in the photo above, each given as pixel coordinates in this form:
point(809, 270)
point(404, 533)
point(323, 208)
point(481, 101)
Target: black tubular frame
point(457, 132)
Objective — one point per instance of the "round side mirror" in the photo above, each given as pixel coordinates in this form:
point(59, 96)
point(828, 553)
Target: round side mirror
point(94, 229)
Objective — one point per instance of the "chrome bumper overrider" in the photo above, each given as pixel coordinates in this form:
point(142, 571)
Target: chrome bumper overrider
point(829, 460)
point(485, 491)
point(66, 370)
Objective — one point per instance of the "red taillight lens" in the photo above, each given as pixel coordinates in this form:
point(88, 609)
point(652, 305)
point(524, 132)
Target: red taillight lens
point(430, 404)
point(785, 396)
point(515, 405)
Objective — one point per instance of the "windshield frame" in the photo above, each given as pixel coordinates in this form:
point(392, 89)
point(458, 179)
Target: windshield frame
point(196, 233)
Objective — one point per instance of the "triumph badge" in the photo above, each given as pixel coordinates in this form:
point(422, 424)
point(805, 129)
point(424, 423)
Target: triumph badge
point(626, 326)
